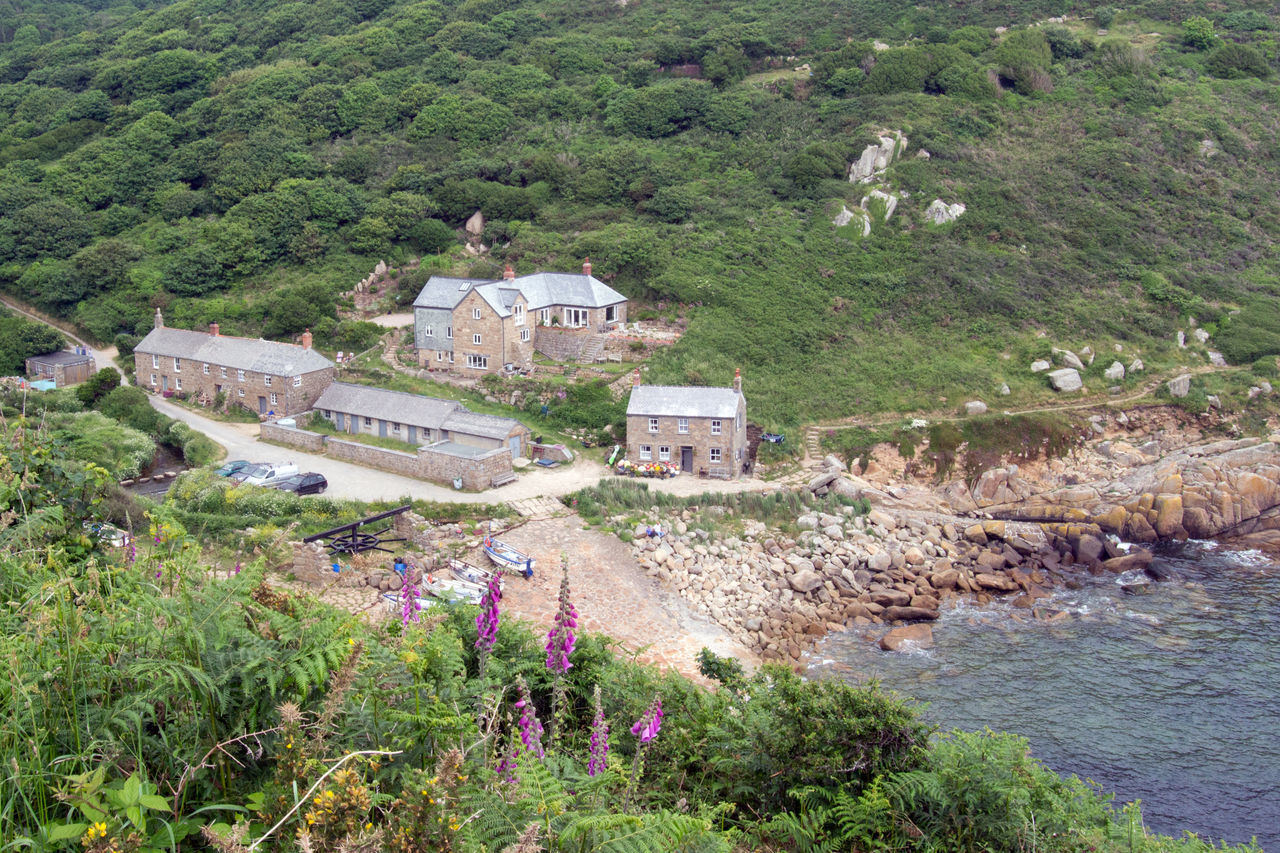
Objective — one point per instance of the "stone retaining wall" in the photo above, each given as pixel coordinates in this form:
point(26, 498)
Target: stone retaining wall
point(312, 442)
point(375, 457)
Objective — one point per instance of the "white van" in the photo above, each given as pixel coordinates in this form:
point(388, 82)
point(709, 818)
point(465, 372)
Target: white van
point(266, 473)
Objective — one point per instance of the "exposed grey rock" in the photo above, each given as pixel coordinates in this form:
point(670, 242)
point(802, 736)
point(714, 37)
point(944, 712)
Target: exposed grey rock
point(1216, 359)
point(845, 216)
point(975, 407)
point(1040, 365)
point(1182, 339)
point(1179, 386)
point(1214, 401)
point(1115, 372)
point(805, 581)
point(1069, 358)
point(1200, 335)
point(475, 225)
point(832, 462)
point(876, 158)
point(1065, 379)
point(1136, 365)
point(1004, 389)
point(940, 213)
point(1087, 355)
point(890, 203)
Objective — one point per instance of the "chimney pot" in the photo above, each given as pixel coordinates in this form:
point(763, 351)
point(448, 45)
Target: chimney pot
point(737, 379)
point(508, 273)
point(213, 329)
point(635, 378)
point(159, 319)
point(306, 339)
point(586, 267)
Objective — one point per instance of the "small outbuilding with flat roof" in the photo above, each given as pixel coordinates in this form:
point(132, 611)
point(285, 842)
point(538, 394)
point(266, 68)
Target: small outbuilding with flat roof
point(62, 368)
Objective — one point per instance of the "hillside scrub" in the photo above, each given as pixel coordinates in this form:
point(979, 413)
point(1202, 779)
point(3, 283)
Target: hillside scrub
point(248, 165)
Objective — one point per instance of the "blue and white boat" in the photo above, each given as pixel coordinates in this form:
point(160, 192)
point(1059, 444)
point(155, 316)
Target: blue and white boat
point(506, 557)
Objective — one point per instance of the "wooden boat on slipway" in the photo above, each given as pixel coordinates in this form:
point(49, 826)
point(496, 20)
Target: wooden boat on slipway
point(468, 573)
point(505, 556)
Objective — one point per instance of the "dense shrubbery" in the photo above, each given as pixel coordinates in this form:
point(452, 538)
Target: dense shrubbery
point(247, 165)
point(20, 339)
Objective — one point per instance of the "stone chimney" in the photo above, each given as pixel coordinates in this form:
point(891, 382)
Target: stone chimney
point(159, 319)
point(508, 273)
point(635, 379)
point(586, 267)
point(213, 329)
point(306, 339)
point(737, 379)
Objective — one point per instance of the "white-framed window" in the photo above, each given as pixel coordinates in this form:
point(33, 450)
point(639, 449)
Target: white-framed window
point(646, 452)
point(575, 318)
point(478, 362)
point(395, 428)
point(297, 381)
point(451, 358)
point(545, 316)
point(715, 427)
point(266, 380)
point(475, 313)
point(439, 355)
point(428, 332)
point(177, 364)
point(325, 412)
point(715, 454)
point(475, 339)
point(611, 313)
point(524, 334)
point(448, 332)
point(368, 422)
point(737, 422)
point(664, 453)
point(239, 392)
point(155, 361)
point(738, 454)
point(273, 398)
point(153, 379)
point(653, 424)
point(206, 370)
point(222, 371)
point(240, 377)
point(682, 425)
point(519, 312)
point(177, 384)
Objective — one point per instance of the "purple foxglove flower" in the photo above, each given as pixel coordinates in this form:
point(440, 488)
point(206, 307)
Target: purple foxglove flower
point(409, 604)
point(561, 640)
point(530, 728)
point(487, 621)
point(646, 728)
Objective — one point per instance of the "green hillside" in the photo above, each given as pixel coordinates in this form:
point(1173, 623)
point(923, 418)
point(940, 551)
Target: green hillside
point(247, 161)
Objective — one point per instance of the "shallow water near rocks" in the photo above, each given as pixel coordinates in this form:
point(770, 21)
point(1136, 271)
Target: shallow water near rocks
point(1171, 695)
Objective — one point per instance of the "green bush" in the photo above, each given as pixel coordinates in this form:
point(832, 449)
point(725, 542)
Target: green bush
point(1234, 61)
point(1198, 33)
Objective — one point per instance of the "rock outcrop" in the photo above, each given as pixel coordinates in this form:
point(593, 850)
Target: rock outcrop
point(940, 213)
point(1065, 379)
point(876, 159)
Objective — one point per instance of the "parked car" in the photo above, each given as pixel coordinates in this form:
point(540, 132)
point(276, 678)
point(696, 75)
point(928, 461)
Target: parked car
point(265, 473)
point(107, 534)
point(309, 483)
point(235, 466)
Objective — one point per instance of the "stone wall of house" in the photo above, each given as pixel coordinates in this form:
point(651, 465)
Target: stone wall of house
point(477, 473)
point(489, 327)
point(698, 437)
point(560, 343)
point(202, 382)
point(312, 563)
point(312, 442)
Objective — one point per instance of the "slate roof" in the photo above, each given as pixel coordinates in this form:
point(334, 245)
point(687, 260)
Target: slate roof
point(394, 406)
point(60, 357)
point(543, 289)
point(683, 401)
point(250, 354)
point(473, 423)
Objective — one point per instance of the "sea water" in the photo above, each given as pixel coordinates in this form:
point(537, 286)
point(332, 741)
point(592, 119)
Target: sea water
point(1168, 692)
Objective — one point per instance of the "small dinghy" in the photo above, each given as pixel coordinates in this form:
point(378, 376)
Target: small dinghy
point(473, 574)
point(506, 557)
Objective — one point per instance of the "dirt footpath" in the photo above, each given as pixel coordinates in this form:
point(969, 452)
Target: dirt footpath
point(612, 595)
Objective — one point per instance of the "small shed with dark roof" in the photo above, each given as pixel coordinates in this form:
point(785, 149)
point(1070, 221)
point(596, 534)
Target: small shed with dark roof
point(62, 368)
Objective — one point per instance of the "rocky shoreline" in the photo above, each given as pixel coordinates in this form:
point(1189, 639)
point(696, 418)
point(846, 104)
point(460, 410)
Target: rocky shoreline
point(894, 569)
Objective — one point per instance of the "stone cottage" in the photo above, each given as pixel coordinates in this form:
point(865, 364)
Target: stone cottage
point(266, 377)
point(475, 326)
point(697, 429)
